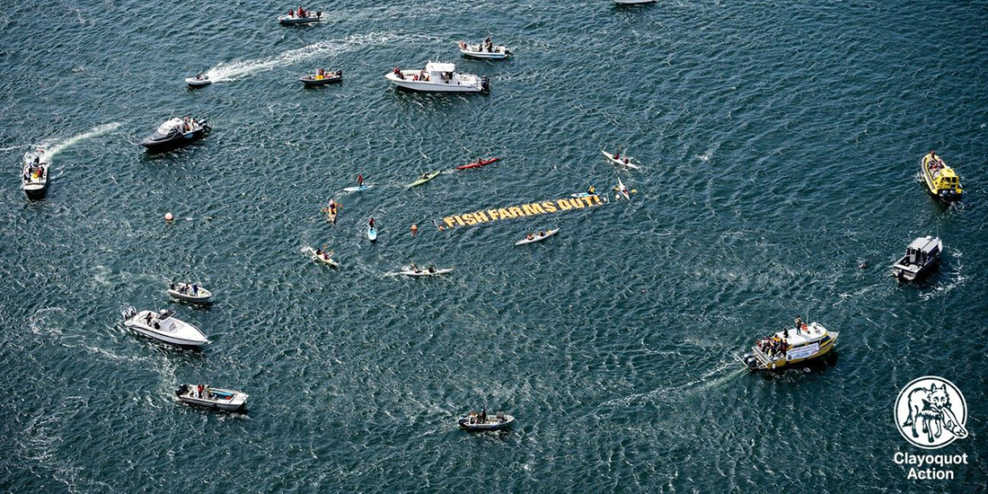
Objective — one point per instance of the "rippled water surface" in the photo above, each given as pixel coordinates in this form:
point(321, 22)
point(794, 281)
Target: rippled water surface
point(780, 143)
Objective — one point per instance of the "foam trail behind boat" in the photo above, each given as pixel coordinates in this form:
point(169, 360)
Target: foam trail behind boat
point(235, 70)
point(54, 147)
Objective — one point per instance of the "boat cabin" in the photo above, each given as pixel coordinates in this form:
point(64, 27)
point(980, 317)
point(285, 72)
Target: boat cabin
point(921, 251)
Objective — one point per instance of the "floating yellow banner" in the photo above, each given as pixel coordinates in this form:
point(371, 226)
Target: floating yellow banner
point(524, 210)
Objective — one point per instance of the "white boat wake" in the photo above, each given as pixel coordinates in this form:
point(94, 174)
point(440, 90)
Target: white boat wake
point(225, 72)
point(54, 147)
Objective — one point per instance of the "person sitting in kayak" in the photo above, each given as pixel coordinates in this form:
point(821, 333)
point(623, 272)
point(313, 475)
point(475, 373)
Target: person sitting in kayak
point(432, 269)
point(542, 233)
point(626, 161)
point(360, 180)
point(529, 236)
point(617, 156)
point(318, 252)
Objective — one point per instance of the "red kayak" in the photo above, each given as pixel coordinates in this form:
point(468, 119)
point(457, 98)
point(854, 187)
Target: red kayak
point(477, 164)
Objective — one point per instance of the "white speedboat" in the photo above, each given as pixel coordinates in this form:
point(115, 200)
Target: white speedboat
point(485, 51)
point(36, 175)
point(189, 292)
point(204, 396)
point(620, 161)
point(300, 17)
point(482, 422)
point(175, 133)
point(416, 271)
point(439, 77)
point(200, 80)
point(162, 326)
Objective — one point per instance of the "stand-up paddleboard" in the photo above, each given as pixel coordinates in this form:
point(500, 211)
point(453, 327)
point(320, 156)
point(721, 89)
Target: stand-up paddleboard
point(620, 162)
point(477, 164)
point(372, 233)
point(426, 178)
point(537, 238)
point(324, 259)
point(360, 188)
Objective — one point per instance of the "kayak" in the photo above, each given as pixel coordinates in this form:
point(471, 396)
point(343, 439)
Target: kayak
point(331, 214)
point(424, 272)
point(537, 238)
point(321, 258)
point(629, 164)
point(428, 176)
point(477, 164)
point(357, 189)
point(372, 233)
point(622, 190)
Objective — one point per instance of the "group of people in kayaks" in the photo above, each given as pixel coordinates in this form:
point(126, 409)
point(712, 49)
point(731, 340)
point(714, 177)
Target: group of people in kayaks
point(531, 236)
point(324, 254)
point(624, 160)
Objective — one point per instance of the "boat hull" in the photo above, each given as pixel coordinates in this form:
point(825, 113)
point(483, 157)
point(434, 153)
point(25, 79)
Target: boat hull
point(203, 298)
point(300, 21)
point(151, 333)
point(483, 55)
point(309, 81)
point(174, 142)
point(437, 87)
point(467, 426)
point(35, 191)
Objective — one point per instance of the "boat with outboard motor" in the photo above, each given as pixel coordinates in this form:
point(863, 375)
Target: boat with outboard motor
point(620, 161)
point(189, 292)
point(921, 255)
point(175, 133)
point(485, 50)
point(477, 164)
point(300, 17)
point(940, 179)
point(423, 179)
point(476, 422)
point(413, 270)
point(322, 256)
point(321, 78)
point(204, 396)
point(200, 80)
point(162, 326)
point(538, 237)
point(440, 77)
point(789, 347)
point(36, 175)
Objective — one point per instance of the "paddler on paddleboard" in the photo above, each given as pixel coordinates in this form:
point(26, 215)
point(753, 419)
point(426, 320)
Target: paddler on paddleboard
point(360, 180)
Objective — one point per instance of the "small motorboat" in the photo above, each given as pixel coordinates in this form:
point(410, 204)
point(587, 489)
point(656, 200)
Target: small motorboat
point(790, 346)
point(476, 422)
point(162, 326)
point(940, 179)
point(537, 237)
point(204, 396)
point(372, 234)
point(189, 292)
point(321, 256)
point(485, 50)
point(176, 133)
point(439, 77)
point(921, 255)
point(618, 160)
point(198, 81)
point(36, 176)
point(322, 78)
point(423, 179)
point(477, 164)
point(300, 17)
point(414, 270)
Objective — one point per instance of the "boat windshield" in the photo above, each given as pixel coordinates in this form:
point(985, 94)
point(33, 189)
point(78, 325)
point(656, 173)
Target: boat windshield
point(168, 126)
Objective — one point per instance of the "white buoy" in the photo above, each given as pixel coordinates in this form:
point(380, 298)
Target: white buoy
point(169, 217)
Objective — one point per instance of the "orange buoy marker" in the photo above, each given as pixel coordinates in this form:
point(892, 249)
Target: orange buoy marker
point(415, 229)
point(169, 217)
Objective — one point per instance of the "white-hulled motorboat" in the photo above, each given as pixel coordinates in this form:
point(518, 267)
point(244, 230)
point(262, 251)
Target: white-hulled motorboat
point(162, 326)
point(175, 133)
point(299, 17)
point(414, 270)
point(440, 77)
point(189, 292)
point(36, 175)
point(484, 50)
point(204, 396)
point(201, 80)
point(921, 255)
point(482, 422)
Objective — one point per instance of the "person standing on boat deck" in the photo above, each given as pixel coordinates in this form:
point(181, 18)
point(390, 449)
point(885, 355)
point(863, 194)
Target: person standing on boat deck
point(799, 325)
point(785, 332)
point(195, 290)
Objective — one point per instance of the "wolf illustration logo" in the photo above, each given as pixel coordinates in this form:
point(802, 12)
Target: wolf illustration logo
point(932, 407)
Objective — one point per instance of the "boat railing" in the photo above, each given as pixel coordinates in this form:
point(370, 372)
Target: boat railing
point(760, 355)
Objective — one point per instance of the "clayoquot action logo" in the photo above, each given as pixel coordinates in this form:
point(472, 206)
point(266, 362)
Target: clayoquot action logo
point(930, 412)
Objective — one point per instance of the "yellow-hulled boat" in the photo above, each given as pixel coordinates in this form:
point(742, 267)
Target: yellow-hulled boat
point(940, 179)
point(789, 347)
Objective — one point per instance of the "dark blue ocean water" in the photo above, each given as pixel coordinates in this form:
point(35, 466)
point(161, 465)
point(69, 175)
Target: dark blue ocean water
point(780, 143)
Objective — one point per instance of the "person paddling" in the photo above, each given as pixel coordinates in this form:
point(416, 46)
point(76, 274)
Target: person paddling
point(371, 223)
point(360, 180)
